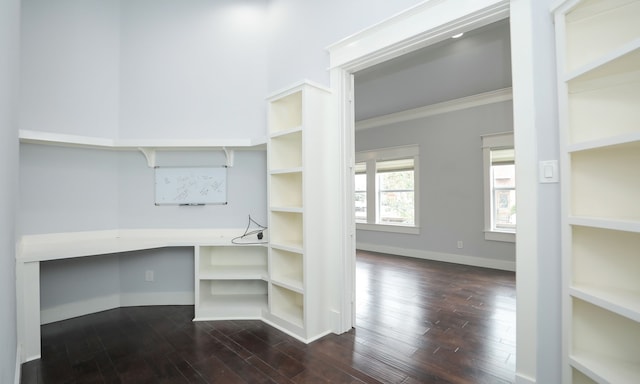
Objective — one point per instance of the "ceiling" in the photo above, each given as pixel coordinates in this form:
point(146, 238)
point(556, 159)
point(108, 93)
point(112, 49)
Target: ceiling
point(479, 61)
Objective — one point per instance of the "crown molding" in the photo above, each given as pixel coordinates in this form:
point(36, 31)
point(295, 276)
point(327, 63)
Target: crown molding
point(480, 99)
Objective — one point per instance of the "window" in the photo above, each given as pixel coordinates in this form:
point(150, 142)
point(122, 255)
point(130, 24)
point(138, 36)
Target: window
point(361, 192)
point(500, 187)
point(386, 189)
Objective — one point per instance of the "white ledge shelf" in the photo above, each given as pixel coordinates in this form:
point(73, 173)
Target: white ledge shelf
point(605, 223)
point(624, 303)
point(289, 282)
point(629, 139)
point(604, 369)
point(616, 60)
point(286, 132)
point(147, 147)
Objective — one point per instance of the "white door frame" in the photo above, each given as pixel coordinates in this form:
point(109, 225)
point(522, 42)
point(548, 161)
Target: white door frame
point(425, 24)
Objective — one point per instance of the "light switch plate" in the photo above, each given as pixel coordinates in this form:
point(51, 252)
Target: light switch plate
point(549, 171)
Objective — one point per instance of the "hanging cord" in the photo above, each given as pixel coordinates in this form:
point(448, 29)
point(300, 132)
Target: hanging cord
point(259, 231)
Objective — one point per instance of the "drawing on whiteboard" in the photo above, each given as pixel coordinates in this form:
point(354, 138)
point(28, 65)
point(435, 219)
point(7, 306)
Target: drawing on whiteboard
point(191, 185)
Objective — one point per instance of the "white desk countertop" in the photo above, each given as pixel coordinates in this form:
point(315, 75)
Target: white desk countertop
point(55, 246)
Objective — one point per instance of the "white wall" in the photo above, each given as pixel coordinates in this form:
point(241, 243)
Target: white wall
point(451, 198)
point(539, 292)
point(9, 73)
point(145, 68)
point(301, 30)
point(70, 70)
point(193, 69)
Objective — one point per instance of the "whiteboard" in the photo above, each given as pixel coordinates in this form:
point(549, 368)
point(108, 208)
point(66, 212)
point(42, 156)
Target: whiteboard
point(191, 185)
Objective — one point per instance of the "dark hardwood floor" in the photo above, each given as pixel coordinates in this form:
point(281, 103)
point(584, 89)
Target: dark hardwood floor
point(417, 322)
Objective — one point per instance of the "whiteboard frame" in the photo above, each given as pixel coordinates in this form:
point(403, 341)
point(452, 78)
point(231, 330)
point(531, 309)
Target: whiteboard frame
point(191, 172)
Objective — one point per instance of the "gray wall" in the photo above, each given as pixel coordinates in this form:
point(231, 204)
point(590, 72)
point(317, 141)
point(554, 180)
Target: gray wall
point(9, 71)
point(67, 189)
point(451, 195)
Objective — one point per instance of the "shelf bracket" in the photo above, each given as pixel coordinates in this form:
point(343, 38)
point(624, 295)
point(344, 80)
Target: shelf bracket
point(229, 155)
point(150, 155)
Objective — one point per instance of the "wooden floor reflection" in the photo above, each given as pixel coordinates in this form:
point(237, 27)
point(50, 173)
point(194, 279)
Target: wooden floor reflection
point(417, 322)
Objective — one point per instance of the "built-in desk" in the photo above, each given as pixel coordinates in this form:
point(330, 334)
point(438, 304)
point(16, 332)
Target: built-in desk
point(222, 271)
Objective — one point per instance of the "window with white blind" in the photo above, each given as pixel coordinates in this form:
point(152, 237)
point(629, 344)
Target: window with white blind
point(500, 187)
point(386, 189)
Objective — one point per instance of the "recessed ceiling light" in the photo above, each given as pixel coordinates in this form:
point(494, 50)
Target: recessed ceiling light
point(457, 35)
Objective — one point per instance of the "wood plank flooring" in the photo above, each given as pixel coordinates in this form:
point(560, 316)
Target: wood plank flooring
point(417, 322)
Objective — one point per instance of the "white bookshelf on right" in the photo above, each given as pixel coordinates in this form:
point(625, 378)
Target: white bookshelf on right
point(598, 53)
point(297, 193)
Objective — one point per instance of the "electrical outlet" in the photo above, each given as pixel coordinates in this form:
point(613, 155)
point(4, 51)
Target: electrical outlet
point(460, 244)
point(148, 275)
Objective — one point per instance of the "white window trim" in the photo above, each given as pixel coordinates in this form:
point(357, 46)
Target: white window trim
point(370, 157)
point(495, 140)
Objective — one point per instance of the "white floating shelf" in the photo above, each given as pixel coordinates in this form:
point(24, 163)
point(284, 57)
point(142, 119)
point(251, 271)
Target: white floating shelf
point(147, 147)
point(41, 137)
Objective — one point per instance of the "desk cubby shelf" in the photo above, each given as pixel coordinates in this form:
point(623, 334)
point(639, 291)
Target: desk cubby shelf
point(598, 52)
point(297, 120)
point(230, 299)
point(231, 282)
point(286, 151)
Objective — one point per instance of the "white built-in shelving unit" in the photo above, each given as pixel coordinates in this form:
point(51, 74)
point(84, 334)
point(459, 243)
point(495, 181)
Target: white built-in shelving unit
point(297, 127)
point(231, 282)
point(598, 51)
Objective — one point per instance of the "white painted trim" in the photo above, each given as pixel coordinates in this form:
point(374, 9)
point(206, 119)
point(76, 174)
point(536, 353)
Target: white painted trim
point(18, 369)
point(441, 256)
point(388, 228)
point(79, 308)
point(427, 23)
point(478, 100)
point(105, 303)
point(506, 237)
point(135, 299)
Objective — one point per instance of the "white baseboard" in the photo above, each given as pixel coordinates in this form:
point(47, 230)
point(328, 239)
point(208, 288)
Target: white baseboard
point(104, 303)
point(156, 298)
point(79, 308)
point(439, 256)
point(18, 373)
point(521, 379)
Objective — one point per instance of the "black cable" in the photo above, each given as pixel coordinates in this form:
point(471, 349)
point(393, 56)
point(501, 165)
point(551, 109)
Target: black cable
point(248, 233)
